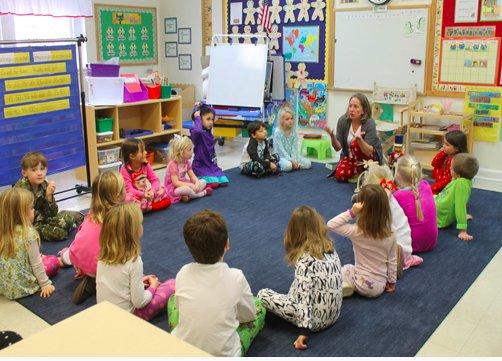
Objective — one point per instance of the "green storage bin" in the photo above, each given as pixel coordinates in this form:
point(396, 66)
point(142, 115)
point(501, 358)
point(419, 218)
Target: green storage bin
point(104, 125)
point(245, 133)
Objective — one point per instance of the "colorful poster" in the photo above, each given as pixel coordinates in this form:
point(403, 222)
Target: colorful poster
point(491, 10)
point(486, 105)
point(301, 44)
point(312, 106)
point(127, 32)
point(469, 61)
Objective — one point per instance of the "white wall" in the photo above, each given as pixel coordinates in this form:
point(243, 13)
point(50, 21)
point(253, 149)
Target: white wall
point(90, 29)
point(188, 13)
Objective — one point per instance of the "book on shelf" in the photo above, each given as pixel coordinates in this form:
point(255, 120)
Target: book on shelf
point(425, 144)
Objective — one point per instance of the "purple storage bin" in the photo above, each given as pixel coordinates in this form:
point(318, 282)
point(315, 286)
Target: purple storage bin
point(136, 97)
point(103, 70)
point(134, 133)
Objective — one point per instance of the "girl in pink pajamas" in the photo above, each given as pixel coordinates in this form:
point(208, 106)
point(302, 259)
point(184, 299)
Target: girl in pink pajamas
point(375, 268)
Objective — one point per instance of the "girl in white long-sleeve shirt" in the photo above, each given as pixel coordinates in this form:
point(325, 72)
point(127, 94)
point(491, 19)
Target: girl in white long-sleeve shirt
point(119, 277)
point(374, 244)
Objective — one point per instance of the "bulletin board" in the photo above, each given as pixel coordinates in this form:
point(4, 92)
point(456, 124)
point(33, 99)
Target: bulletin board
point(39, 108)
point(127, 32)
point(480, 30)
point(301, 37)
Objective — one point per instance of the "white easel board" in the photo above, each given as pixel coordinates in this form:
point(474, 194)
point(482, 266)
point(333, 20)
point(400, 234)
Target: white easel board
point(379, 47)
point(237, 74)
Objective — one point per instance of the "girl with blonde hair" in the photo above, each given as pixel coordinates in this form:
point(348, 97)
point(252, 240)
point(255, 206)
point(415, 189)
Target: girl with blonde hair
point(119, 277)
point(24, 270)
point(286, 142)
point(180, 182)
point(107, 190)
point(417, 201)
point(375, 247)
point(382, 175)
point(314, 300)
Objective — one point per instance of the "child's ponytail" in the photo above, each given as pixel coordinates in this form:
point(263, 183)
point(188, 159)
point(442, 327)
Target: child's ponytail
point(415, 178)
point(409, 173)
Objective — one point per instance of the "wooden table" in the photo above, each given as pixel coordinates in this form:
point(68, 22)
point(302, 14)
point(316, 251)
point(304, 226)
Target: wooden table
point(102, 330)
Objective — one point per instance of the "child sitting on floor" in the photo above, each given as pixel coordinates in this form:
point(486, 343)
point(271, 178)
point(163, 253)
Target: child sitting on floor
point(455, 142)
point(415, 198)
point(286, 143)
point(136, 171)
point(314, 299)
point(256, 159)
point(107, 190)
point(180, 182)
point(375, 252)
point(205, 164)
point(211, 299)
point(119, 277)
point(23, 269)
point(451, 203)
point(51, 225)
point(382, 175)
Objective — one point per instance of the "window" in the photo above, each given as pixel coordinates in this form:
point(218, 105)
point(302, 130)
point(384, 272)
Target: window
point(24, 27)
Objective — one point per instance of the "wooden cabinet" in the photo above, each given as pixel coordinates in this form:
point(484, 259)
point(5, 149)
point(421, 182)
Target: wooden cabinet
point(428, 129)
point(149, 114)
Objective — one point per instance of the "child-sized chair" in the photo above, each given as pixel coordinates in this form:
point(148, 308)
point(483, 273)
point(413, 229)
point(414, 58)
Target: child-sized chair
point(320, 147)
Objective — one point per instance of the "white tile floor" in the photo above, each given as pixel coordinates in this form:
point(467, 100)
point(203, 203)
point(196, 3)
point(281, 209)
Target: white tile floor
point(472, 328)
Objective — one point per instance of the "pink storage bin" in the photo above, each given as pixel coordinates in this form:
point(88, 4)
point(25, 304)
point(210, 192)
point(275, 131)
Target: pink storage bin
point(136, 97)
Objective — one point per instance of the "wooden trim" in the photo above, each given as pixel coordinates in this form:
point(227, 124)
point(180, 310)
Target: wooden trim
point(330, 30)
point(429, 54)
point(225, 17)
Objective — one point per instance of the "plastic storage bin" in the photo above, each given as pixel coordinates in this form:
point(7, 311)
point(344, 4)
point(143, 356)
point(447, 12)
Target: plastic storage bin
point(104, 137)
point(160, 151)
point(135, 97)
point(105, 91)
point(108, 156)
point(103, 70)
point(109, 167)
point(153, 91)
point(104, 124)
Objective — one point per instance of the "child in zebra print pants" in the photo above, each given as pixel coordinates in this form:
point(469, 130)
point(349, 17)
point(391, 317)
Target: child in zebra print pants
point(314, 300)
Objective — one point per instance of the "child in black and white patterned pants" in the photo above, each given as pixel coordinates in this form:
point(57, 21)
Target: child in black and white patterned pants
point(8, 338)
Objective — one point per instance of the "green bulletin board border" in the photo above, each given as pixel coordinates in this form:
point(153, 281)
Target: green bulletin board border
point(101, 33)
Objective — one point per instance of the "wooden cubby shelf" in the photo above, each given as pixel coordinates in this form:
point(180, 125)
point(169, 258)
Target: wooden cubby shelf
point(146, 114)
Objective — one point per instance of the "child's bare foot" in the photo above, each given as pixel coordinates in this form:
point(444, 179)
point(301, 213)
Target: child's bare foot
point(470, 217)
point(185, 199)
point(464, 236)
point(301, 342)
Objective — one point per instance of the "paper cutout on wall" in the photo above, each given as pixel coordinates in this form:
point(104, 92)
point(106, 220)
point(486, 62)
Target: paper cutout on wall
point(486, 104)
point(301, 43)
point(312, 106)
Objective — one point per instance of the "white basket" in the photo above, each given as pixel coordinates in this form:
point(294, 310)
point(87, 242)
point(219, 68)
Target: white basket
point(109, 167)
point(108, 156)
point(105, 91)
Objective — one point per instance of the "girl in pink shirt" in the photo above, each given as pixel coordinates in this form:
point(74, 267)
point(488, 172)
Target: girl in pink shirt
point(141, 183)
point(180, 182)
point(375, 268)
point(416, 199)
point(107, 190)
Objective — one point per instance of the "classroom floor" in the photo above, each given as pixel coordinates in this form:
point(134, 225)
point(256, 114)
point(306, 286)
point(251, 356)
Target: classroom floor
point(472, 328)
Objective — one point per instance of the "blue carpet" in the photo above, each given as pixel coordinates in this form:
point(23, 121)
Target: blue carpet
point(257, 212)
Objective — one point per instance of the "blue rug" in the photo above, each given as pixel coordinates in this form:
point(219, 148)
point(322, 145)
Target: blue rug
point(257, 212)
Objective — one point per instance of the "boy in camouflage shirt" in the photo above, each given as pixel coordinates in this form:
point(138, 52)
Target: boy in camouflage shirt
point(51, 225)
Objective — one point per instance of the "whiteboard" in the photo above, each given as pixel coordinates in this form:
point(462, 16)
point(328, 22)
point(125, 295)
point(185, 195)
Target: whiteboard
point(237, 74)
point(378, 47)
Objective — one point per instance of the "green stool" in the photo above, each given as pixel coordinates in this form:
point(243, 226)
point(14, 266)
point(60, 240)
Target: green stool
point(317, 147)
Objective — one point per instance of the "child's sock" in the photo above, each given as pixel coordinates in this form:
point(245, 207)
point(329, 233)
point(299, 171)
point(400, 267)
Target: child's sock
point(209, 191)
point(412, 261)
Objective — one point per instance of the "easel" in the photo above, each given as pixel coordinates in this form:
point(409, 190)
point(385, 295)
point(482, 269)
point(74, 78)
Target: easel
point(79, 188)
point(226, 125)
